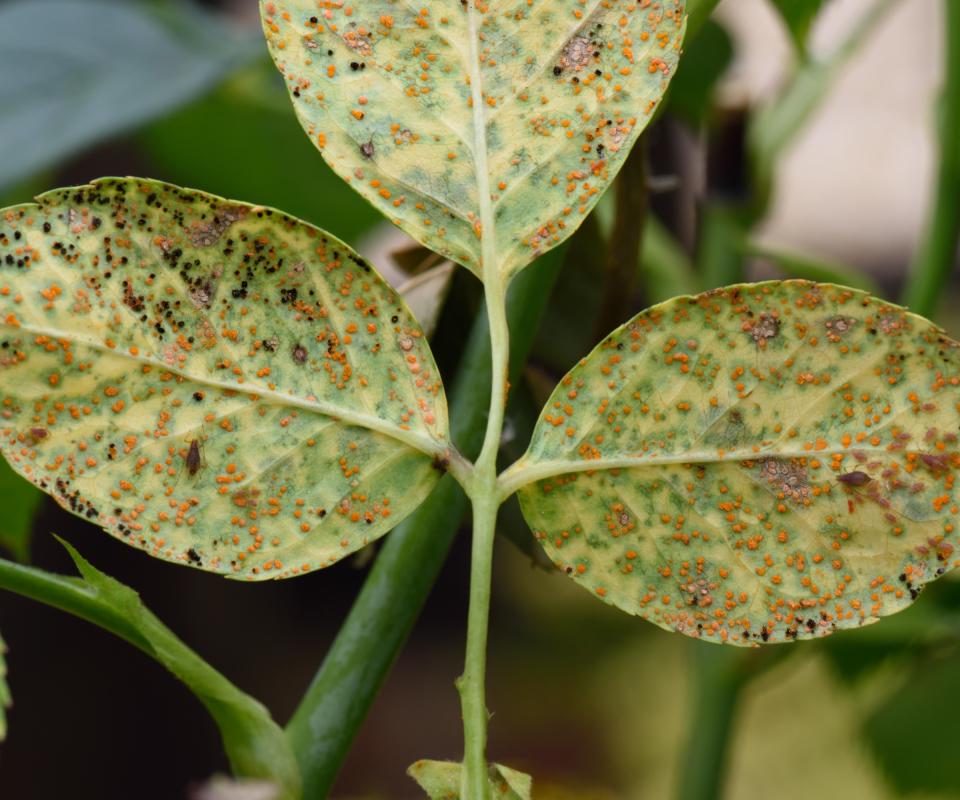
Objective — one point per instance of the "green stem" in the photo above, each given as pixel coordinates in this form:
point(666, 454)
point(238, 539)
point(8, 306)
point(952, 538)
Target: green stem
point(333, 708)
point(484, 497)
point(939, 248)
point(623, 249)
point(253, 742)
point(475, 785)
point(70, 595)
point(717, 680)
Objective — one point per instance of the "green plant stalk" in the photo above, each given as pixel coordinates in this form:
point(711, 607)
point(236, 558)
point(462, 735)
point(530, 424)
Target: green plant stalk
point(719, 251)
point(333, 708)
point(481, 487)
point(624, 246)
point(717, 680)
point(939, 247)
point(482, 490)
point(254, 744)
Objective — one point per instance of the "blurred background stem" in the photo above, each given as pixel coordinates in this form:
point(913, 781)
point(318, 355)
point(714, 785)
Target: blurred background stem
point(623, 249)
point(938, 248)
point(717, 679)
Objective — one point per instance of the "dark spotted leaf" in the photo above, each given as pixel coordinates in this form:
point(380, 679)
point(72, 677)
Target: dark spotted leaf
point(754, 464)
point(487, 131)
point(219, 384)
point(441, 780)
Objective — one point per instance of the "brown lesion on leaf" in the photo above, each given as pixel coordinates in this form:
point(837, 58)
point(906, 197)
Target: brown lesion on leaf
point(577, 54)
point(247, 497)
point(202, 291)
point(698, 592)
point(838, 326)
point(765, 327)
point(359, 40)
point(788, 477)
point(207, 234)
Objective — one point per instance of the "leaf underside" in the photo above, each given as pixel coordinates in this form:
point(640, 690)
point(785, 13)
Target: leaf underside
point(487, 131)
point(217, 383)
point(760, 463)
point(441, 780)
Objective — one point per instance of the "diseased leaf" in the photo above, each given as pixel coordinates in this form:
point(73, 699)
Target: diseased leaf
point(73, 73)
point(5, 699)
point(758, 463)
point(441, 780)
point(216, 383)
point(487, 131)
point(19, 501)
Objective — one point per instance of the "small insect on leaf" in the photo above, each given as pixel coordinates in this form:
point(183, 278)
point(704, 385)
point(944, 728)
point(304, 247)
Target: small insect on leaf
point(855, 478)
point(216, 383)
point(193, 458)
point(747, 494)
point(486, 132)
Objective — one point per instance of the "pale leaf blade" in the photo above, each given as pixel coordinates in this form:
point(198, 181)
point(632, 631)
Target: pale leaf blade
point(759, 463)
point(441, 780)
point(487, 131)
point(216, 383)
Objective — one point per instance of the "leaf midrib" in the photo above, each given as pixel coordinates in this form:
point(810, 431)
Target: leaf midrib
point(526, 472)
point(489, 268)
point(424, 444)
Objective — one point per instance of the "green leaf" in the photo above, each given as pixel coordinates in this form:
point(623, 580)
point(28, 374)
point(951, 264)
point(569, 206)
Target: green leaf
point(441, 780)
point(486, 134)
point(911, 736)
point(19, 501)
point(774, 127)
point(810, 268)
point(219, 384)
point(5, 699)
point(798, 17)
point(704, 62)
point(254, 743)
point(74, 73)
point(758, 463)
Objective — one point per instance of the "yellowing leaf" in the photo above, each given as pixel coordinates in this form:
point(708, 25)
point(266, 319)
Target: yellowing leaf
point(486, 130)
point(216, 383)
point(441, 780)
point(759, 463)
